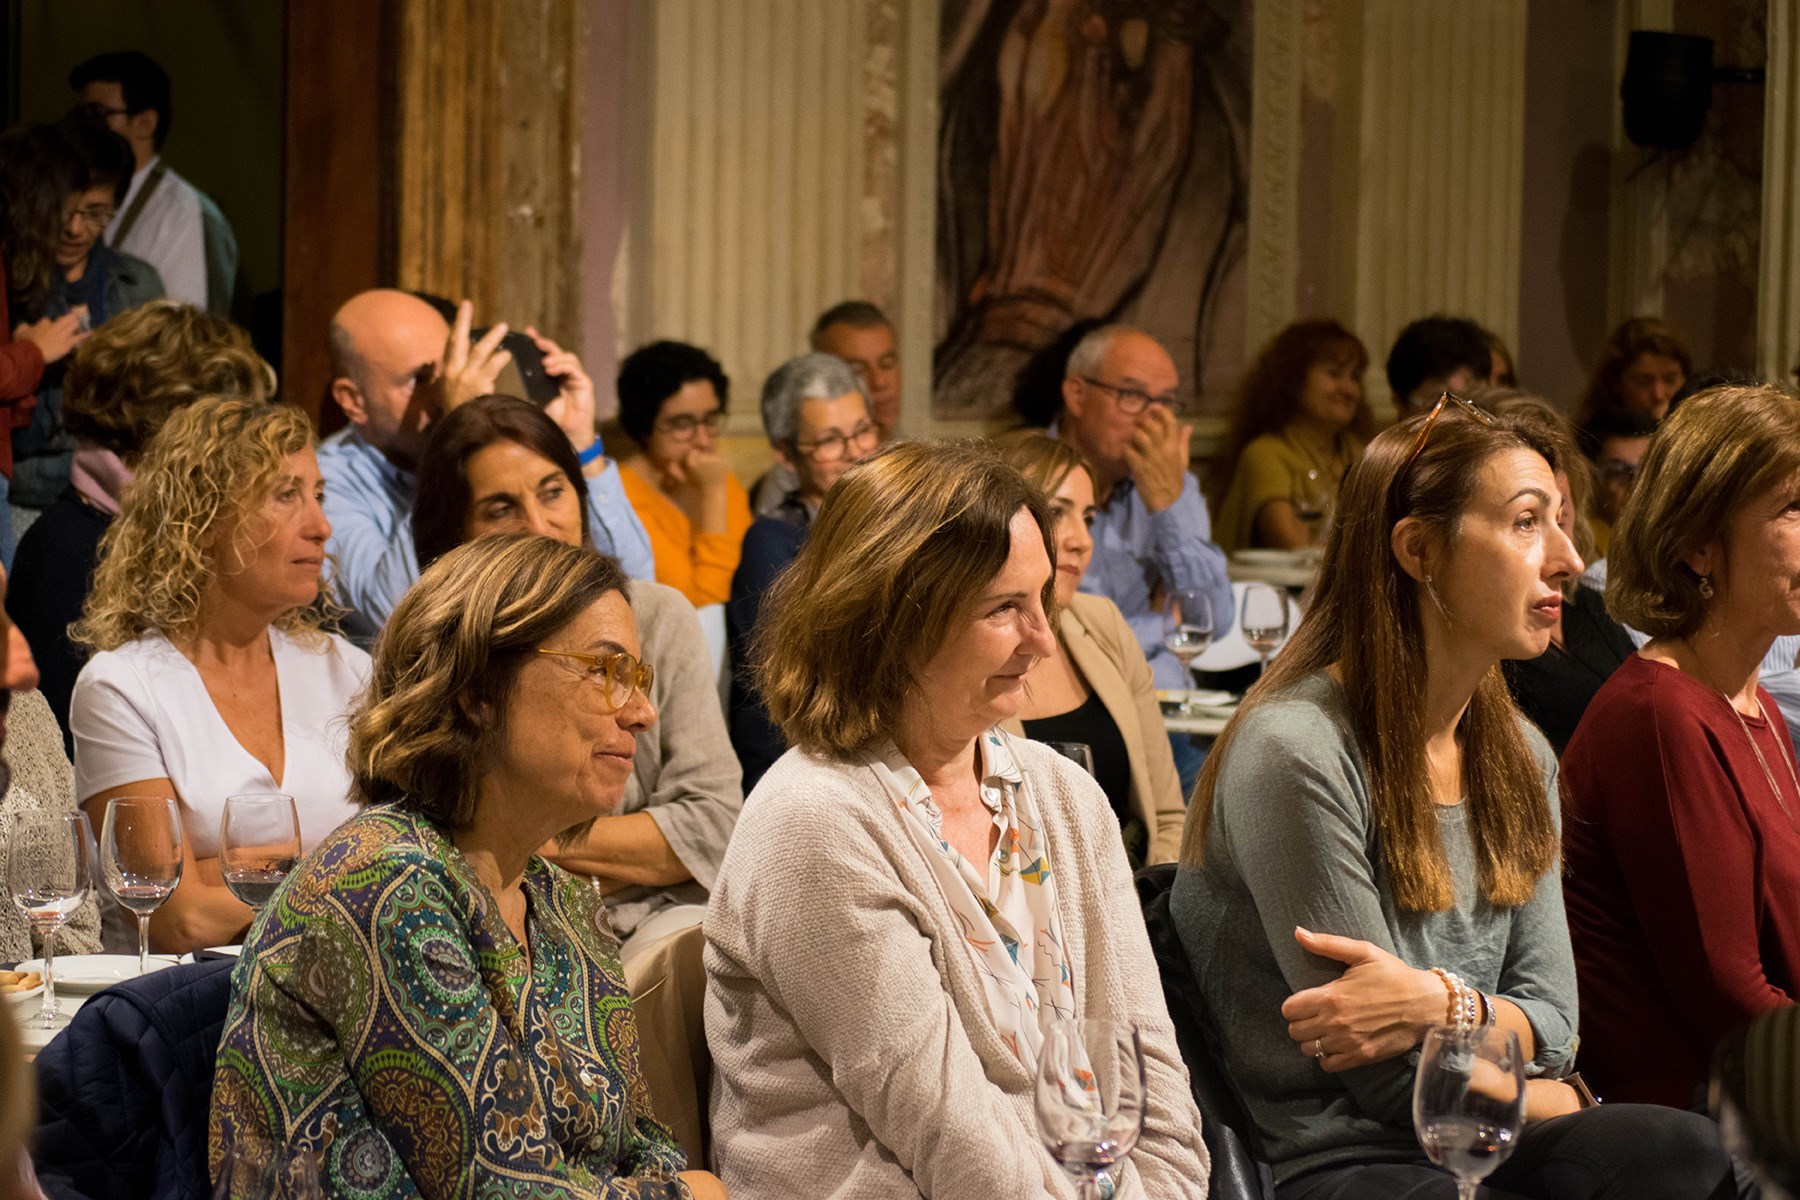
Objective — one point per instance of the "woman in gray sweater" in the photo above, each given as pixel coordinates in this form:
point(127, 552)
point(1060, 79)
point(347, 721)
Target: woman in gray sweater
point(912, 895)
point(1373, 843)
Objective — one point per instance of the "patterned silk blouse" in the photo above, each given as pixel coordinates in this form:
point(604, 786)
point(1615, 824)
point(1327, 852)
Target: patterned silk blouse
point(384, 1018)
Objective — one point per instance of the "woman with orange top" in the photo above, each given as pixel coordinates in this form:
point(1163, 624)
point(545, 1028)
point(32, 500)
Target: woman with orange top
point(672, 400)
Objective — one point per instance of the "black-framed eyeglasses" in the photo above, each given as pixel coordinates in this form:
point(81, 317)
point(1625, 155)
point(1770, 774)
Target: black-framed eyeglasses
point(101, 112)
point(685, 425)
point(616, 675)
point(1133, 401)
point(1431, 420)
point(834, 446)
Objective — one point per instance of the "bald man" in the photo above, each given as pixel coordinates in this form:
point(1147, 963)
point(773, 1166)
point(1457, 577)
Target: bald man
point(397, 365)
point(1152, 534)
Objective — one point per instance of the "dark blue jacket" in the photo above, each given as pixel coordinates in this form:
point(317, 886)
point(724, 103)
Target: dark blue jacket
point(124, 1093)
point(770, 545)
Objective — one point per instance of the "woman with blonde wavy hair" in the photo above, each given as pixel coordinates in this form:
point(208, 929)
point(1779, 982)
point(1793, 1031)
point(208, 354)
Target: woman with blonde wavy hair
point(213, 674)
point(427, 1003)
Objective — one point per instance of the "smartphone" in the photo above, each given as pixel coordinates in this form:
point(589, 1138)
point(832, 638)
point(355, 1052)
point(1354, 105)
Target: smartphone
point(528, 360)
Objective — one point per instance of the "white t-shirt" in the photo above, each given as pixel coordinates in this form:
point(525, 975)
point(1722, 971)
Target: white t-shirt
point(142, 712)
point(168, 234)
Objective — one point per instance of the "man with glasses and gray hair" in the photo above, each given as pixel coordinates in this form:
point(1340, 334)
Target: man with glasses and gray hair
point(816, 413)
point(1152, 534)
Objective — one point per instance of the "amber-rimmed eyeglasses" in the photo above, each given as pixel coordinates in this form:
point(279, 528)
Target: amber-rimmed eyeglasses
point(1431, 420)
point(616, 675)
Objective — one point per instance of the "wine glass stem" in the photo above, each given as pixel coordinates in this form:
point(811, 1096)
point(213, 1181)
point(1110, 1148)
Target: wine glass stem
point(47, 1015)
point(143, 942)
point(1465, 1189)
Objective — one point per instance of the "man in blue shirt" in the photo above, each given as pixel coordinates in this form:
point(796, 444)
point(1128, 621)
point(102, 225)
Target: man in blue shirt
point(1152, 534)
point(397, 365)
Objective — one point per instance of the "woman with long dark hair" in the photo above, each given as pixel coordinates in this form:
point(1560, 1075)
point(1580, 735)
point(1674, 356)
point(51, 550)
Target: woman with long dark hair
point(1372, 847)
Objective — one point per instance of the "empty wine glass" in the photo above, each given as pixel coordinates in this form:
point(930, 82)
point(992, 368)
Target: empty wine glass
point(259, 843)
point(1090, 1097)
point(1469, 1101)
point(1190, 631)
point(140, 858)
point(1264, 618)
point(1079, 753)
point(50, 873)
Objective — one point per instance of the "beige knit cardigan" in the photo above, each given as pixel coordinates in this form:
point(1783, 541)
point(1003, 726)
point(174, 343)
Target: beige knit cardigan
point(853, 1050)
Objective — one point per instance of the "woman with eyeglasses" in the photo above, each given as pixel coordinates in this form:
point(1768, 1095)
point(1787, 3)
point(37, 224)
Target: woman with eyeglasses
point(426, 1004)
point(672, 399)
point(1372, 847)
point(817, 416)
point(91, 277)
point(1301, 424)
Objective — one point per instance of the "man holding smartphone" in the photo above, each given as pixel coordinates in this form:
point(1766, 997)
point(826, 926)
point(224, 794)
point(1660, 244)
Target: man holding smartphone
point(398, 365)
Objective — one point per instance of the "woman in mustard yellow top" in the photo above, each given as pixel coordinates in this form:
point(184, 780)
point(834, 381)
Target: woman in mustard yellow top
point(1301, 422)
point(672, 399)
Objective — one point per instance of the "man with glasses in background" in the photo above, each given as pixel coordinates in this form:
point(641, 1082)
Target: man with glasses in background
point(816, 412)
point(162, 218)
point(397, 365)
point(1153, 534)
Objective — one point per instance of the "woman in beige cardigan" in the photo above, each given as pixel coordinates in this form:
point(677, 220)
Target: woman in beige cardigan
point(1097, 689)
point(912, 895)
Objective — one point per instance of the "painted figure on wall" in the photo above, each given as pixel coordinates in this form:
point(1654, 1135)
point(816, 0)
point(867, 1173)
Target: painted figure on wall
point(1092, 158)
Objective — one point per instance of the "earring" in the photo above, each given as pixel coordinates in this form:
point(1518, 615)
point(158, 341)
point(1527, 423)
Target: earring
point(1706, 588)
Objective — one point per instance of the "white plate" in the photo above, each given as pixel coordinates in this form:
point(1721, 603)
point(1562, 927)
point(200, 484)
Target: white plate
point(78, 973)
point(1275, 558)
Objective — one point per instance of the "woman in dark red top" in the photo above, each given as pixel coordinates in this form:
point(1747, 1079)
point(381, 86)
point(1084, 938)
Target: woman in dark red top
point(1681, 818)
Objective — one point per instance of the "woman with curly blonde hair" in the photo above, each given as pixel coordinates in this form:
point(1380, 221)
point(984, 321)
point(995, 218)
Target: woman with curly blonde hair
point(213, 674)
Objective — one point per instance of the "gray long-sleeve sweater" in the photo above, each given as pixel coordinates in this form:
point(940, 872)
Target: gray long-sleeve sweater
point(1292, 842)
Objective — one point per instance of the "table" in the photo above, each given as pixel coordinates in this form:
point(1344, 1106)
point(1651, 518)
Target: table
point(1287, 575)
point(1198, 725)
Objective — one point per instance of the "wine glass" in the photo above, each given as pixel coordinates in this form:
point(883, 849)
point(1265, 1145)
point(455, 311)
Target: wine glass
point(1190, 631)
point(1090, 1097)
point(50, 873)
point(1264, 618)
point(1469, 1100)
point(1310, 501)
point(1077, 752)
point(140, 858)
point(259, 843)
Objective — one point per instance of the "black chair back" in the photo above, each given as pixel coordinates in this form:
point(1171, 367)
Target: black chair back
point(125, 1092)
point(1239, 1169)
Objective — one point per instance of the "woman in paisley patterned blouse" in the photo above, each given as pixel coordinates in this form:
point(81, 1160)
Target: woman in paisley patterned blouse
point(426, 1005)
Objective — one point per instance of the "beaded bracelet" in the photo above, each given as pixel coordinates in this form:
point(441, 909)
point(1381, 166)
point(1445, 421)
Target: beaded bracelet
point(1463, 1011)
